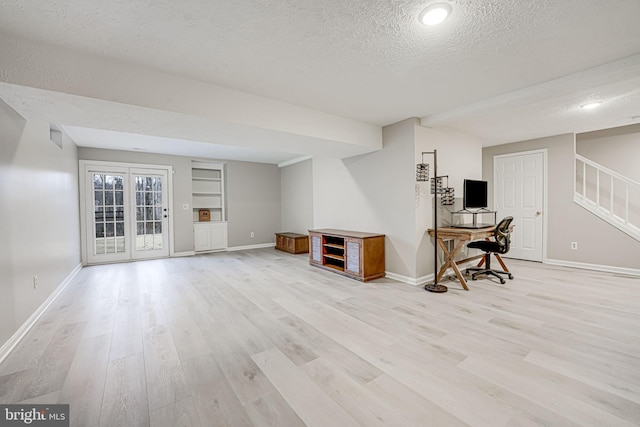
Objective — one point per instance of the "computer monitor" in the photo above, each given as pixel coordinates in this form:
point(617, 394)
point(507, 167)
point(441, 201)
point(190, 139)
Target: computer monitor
point(475, 194)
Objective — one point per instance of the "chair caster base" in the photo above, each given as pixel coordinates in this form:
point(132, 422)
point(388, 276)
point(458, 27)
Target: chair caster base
point(474, 272)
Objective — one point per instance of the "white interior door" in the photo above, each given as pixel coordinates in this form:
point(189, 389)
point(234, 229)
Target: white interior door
point(519, 192)
point(126, 213)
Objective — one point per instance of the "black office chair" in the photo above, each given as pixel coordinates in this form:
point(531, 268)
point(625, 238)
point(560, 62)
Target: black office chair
point(500, 245)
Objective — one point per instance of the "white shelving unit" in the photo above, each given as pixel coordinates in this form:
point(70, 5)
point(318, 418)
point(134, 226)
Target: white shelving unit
point(207, 192)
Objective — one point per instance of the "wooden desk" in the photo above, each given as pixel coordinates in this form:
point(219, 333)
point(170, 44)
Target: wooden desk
point(461, 236)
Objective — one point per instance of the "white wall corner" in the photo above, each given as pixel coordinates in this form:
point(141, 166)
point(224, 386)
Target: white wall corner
point(22, 331)
point(413, 281)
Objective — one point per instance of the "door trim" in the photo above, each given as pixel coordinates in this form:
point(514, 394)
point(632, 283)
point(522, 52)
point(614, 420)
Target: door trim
point(545, 181)
point(82, 174)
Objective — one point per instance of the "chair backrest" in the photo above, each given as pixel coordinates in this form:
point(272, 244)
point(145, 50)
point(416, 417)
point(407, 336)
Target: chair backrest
point(502, 234)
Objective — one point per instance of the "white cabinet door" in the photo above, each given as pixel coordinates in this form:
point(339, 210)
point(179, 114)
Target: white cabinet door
point(209, 236)
point(201, 237)
point(218, 235)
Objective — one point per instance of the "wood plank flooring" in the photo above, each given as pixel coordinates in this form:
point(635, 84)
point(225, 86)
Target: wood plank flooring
point(260, 338)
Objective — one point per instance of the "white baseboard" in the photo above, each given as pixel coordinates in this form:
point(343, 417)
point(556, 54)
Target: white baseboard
point(182, 254)
point(597, 267)
point(12, 342)
point(409, 280)
point(258, 246)
point(423, 280)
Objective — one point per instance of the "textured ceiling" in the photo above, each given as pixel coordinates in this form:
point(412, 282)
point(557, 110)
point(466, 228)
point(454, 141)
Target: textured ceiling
point(370, 60)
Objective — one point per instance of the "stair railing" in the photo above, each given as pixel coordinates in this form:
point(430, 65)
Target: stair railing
point(609, 195)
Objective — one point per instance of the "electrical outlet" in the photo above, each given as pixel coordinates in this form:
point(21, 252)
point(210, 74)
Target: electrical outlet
point(574, 246)
point(35, 281)
point(252, 234)
point(185, 206)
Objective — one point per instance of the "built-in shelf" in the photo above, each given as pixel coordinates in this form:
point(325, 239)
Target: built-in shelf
point(207, 193)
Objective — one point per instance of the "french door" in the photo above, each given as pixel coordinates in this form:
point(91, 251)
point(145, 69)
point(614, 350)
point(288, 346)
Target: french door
point(126, 213)
point(149, 200)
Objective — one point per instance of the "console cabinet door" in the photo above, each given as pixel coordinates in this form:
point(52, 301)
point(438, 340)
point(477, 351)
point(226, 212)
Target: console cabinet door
point(353, 256)
point(316, 248)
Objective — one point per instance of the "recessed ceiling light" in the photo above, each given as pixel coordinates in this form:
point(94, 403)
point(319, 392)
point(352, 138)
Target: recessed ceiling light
point(591, 105)
point(435, 14)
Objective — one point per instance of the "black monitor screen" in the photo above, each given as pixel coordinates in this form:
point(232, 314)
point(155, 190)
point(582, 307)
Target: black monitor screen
point(475, 194)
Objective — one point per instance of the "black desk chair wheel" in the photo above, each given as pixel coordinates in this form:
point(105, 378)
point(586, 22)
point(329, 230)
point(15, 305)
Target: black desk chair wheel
point(500, 245)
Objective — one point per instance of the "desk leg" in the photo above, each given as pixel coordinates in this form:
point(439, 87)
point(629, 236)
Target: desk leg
point(444, 266)
point(450, 262)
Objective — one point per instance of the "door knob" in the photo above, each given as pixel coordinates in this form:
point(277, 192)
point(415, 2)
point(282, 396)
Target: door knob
point(538, 213)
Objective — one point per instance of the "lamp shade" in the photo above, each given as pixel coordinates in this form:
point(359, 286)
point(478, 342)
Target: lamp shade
point(422, 172)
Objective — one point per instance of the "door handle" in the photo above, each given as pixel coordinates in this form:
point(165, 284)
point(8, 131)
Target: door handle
point(538, 213)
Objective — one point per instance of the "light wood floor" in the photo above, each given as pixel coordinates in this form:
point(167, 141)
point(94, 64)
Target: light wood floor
point(261, 338)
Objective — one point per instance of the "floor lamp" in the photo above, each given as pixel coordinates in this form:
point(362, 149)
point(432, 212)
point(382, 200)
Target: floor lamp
point(422, 174)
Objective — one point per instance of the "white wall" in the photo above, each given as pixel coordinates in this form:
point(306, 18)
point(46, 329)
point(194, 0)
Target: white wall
point(617, 149)
point(40, 220)
point(599, 243)
point(378, 192)
point(372, 193)
point(459, 158)
point(253, 202)
point(182, 219)
point(296, 188)
point(253, 195)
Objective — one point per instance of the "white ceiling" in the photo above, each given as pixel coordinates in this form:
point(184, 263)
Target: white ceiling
point(502, 70)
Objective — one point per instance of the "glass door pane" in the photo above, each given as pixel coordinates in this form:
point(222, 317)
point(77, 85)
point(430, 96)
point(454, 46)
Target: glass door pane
point(151, 213)
point(107, 238)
